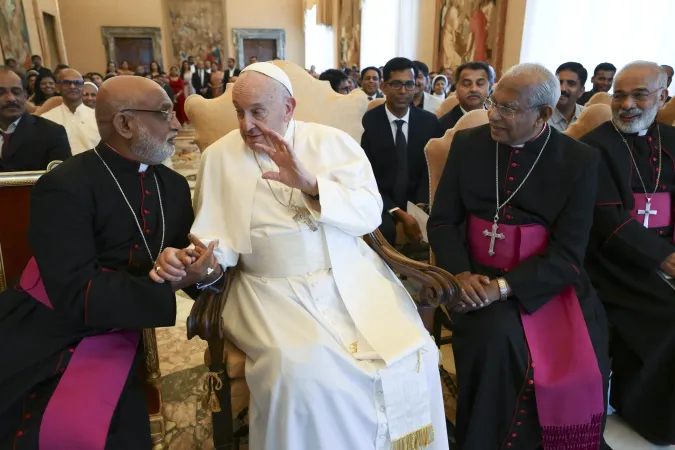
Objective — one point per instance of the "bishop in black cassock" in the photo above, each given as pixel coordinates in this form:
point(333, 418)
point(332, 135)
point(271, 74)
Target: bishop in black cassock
point(93, 264)
point(531, 362)
point(631, 244)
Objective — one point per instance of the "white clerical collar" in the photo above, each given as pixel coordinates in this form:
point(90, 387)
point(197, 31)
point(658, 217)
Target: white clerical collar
point(142, 168)
point(392, 118)
point(643, 132)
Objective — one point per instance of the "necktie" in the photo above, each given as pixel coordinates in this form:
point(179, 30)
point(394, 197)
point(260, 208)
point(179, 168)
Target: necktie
point(5, 144)
point(370, 99)
point(401, 187)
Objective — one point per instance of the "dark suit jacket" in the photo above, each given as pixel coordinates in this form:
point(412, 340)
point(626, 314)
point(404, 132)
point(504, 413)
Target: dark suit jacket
point(586, 96)
point(198, 85)
point(378, 143)
point(226, 79)
point(34, 144)
point(449, 120)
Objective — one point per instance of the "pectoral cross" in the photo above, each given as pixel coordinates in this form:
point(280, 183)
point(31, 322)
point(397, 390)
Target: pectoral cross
point(647, 212)
point(494, 235)
point(302, 215)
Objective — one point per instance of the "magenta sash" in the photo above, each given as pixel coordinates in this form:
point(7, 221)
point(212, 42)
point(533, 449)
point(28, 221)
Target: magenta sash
point(660, 204)
point(567, 380)
point(79, 412)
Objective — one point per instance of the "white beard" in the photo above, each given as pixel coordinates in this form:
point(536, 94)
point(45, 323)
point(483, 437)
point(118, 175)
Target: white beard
point(152, 150)
point(645, 120)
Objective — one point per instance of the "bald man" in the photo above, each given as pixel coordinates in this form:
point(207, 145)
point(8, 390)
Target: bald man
point(100, 224)
point(337, 355)
point(631, 255)
point(27, 142)
point(78, 119)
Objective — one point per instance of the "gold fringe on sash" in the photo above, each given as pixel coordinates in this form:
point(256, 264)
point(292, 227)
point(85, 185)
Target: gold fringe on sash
point(417, 440)
point(211, 384)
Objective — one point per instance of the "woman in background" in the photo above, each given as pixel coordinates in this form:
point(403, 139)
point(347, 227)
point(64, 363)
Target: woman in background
point(45, 88)
point(96, 78)
point(31, 76)
point(124, 69)
point(178, 86)
point(112, 68)
point(89, 94)
point(186, 75)
point(155, 70)
point(216, 81)
point(439, 86)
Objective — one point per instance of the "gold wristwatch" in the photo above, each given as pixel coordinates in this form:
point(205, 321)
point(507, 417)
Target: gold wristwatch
point(503, 289)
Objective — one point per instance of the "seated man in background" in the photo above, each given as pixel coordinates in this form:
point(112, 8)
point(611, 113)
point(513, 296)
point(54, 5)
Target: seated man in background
point(370, 82)
point(27, 142)
point(473, 83)
point(572, 76)
point(339, 81)
point(422, 99)
point(602, 79)
point(67, 380)
point(631, 248)
point(288, 202)
point(530, 339)
point(78, 119)
point(394, 138)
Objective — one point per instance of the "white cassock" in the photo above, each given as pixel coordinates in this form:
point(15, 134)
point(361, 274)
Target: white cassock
point(80, 126)
point(337, 356)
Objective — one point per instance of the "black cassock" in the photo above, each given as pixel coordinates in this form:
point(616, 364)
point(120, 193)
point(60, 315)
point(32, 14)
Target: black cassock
point(80, 223)
point(497, 407)
point(623, 259)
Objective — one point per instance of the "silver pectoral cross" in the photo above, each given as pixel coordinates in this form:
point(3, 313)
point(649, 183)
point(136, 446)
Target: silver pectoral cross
point(302, 215)
point(647, 212)
point(493, 235)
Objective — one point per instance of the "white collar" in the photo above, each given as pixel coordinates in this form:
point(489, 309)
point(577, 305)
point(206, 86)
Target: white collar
point(12, 126)
point(643, 132)
point(142, 168)
point(392, 118)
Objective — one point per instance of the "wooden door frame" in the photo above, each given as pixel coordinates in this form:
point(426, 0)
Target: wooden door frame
point(239, 34)
point(110, 33)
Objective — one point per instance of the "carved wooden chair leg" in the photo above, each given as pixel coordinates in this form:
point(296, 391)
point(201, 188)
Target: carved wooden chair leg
point(223, 426)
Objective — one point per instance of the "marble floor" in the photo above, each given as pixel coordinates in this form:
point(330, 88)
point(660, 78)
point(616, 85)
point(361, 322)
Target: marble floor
point(182, 362)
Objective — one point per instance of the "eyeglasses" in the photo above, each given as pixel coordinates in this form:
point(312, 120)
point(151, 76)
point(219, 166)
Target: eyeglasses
point(506, 111)
point(638, 96)
point(66, 83)
point(169, 116)
point(396, 85)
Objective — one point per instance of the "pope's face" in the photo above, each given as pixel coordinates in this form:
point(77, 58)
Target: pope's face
point(259, 99)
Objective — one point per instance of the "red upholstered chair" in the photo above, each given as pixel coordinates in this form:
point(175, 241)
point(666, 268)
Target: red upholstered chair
point(15, 253)
point(316, 103)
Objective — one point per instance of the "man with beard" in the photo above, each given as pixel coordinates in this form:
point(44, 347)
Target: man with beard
point(602, 79)
point(71, 324)
point(370, 82)
point(27, 142)
point(631, 255)
point(473, 86)
point(511, 218)
point(78, 119)
point(572, 76)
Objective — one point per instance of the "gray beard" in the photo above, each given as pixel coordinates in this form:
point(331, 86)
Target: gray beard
point(644, 122)
point(153, 151)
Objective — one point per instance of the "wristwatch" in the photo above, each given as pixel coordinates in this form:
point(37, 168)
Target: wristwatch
point(503, 289)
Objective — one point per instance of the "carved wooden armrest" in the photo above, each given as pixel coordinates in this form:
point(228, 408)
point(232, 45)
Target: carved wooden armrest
point(438, 286)
point(206, 317)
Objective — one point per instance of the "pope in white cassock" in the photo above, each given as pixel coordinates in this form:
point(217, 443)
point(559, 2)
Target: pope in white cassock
point(337, 356)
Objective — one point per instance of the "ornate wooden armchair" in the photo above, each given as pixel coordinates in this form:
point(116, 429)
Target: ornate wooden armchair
point(15, 253)
point(450, 102)
point(226, 393)
point(600, 98)
point(436, 152)
point(591, 117)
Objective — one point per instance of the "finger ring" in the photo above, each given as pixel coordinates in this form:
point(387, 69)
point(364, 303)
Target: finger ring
point(157, 269)
point(209, 271)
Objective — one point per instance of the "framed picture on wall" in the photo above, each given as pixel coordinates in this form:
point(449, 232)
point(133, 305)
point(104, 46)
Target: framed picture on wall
point(471, 30)
point(14, 32)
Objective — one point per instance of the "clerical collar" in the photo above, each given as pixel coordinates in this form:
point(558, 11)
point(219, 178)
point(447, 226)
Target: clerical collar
point(534, 139)
point(119, 162)
point(648, 131)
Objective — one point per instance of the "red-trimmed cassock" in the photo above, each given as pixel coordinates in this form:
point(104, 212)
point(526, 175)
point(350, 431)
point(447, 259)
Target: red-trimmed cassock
point(532, 370)
point(623, 259)
point(94, 267)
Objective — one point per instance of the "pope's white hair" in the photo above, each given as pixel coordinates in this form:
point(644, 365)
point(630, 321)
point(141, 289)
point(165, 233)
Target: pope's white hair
point(661, 75)
point(543, 85)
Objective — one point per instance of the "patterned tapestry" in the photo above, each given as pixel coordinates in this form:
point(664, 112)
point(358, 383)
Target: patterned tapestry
point(13, 31)
point(196, 29)
point(471, 30)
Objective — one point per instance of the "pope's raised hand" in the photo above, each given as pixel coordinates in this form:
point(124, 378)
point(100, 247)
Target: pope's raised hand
point(292, 172)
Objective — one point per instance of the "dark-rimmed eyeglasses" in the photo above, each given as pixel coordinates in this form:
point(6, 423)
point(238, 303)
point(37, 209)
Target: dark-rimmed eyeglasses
point(167, 115)
point(396, 85)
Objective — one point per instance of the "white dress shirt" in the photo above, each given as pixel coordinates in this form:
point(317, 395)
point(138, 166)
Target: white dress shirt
point(560, 123)
point(10, 129)
point(392, 121)
point(81, 126)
